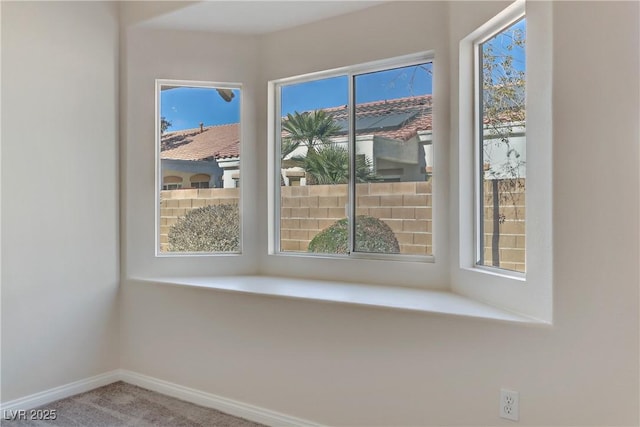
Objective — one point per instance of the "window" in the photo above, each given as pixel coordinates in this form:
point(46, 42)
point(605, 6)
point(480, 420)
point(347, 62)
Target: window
point(200, 180)
point(353, 160)
point(171, 182)
point(501, 150)
point(491, 150)
point(198, 147)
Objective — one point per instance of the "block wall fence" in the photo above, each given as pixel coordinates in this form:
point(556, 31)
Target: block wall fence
point(511, 225)
point(174, 204)
point(404, 206)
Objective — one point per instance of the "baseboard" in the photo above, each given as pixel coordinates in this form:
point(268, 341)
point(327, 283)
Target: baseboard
point(231, 407)
point(57, 393)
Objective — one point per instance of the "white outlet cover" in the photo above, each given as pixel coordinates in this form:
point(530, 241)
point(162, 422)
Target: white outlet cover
point(509, 405)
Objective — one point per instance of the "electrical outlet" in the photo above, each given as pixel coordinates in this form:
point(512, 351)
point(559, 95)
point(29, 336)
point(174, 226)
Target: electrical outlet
point(509, 405)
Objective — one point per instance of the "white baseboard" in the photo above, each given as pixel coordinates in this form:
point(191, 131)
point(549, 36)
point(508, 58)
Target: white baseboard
point(57, 393)
point(228, 406)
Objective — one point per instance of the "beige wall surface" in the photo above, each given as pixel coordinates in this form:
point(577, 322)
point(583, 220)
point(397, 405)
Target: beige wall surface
point(59, 194)
point(345, 365)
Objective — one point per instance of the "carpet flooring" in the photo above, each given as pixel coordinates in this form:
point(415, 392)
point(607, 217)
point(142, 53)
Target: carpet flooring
point(121, 404)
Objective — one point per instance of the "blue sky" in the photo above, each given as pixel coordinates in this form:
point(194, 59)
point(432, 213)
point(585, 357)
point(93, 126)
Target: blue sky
point(187, 107)
point(501, 41)
point(333, 92)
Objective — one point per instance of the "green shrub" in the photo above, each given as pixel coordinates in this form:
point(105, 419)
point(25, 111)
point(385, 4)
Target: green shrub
point(372, 235)
point(207, 229)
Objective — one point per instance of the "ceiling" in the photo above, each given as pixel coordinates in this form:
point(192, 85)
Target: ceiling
point(253, 17)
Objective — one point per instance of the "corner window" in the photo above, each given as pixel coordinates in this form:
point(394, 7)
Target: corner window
point(505, 243)
point(501, 149)
point(198, 154)
point(353, 161)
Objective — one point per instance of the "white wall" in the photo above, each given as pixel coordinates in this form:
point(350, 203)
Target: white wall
point(59, 194)
point(345, 365)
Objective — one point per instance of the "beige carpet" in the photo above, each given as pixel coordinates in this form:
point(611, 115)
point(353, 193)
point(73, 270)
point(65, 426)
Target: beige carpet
point(121, 404)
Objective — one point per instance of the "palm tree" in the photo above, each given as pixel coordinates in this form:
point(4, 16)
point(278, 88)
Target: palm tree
point(325, 162)
point(330, 165)
point(310, 128)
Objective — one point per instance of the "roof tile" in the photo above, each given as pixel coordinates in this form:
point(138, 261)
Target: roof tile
point(223, 141)
point(213, 142)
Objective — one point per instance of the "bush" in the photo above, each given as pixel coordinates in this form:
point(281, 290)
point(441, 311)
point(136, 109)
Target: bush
point(207, 229)
point(372, 235)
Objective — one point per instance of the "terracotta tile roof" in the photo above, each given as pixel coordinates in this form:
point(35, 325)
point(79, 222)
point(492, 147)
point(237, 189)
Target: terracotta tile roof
point(408, 116)
point(214, 142)
point(412, 113)
point(421, 119)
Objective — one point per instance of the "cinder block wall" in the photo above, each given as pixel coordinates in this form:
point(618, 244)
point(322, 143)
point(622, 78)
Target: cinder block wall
point(511, 225)
point(404, 206)
point(175, 204)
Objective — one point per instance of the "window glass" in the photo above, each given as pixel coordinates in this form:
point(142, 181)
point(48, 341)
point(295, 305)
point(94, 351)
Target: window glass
point(354, 162)
point(502, 157)
point(199, 156)
point(394, 161)
point(314, 164)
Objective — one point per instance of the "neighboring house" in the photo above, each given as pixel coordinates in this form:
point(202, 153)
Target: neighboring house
point(396, 135)
point(504, 158)
point(204, 157)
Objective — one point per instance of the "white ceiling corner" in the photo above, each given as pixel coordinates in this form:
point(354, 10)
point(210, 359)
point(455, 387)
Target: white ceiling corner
point(253, 17)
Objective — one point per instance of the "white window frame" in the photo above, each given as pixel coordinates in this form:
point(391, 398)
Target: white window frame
point(158, 169)
point(514, 16)
point(530, 293)
point(275, 132)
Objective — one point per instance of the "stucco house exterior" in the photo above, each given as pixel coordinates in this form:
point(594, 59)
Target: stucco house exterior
point(396, 135)
point(205, 157)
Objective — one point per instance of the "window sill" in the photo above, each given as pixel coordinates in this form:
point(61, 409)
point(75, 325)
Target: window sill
point(426, 301)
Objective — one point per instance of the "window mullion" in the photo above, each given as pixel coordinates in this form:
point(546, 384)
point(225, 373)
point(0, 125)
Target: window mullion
point(351, 203)
point(479, 152)
point(276, 159)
